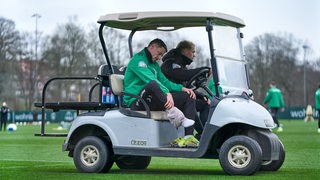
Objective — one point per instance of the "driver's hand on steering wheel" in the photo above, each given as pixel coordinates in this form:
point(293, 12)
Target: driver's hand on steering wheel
point(206, 99)
point(210, 72)
point(190, 92)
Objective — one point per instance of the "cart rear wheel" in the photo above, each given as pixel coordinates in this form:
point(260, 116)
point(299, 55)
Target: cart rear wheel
point(132, 162)
point(240, 155)
point(92, 155)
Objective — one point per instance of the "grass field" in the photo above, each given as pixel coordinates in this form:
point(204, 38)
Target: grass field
point(24, 156)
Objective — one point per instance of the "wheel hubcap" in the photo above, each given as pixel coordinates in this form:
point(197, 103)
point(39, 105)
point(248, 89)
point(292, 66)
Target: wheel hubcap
point(89, 155)
point(239, 156)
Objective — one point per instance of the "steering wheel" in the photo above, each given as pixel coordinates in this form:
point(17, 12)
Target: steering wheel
point(198, 79)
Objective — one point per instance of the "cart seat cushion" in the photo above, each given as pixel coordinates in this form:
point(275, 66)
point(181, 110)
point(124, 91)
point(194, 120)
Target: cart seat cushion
point(116, 81)
point(157, 115)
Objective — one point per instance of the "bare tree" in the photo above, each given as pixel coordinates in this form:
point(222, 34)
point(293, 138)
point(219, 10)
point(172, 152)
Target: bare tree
point(66, 55)
point(312, 79)
point(94, 49)
point(116, 43)
point(9, 51)
point(66, 49)
point(274, 58)
point(27, 72)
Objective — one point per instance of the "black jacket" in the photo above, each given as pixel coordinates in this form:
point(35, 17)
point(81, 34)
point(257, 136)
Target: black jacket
point(4, 112)
point(174, 67)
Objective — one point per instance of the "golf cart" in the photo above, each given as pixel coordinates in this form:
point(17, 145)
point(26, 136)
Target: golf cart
point(237, 132)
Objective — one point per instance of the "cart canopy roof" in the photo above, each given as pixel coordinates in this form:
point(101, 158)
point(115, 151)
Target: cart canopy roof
point(167, 20)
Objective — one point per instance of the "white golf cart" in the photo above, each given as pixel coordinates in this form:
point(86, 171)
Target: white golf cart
point(237, 132)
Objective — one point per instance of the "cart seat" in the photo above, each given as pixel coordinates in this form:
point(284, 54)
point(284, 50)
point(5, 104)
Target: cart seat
point(116, 81)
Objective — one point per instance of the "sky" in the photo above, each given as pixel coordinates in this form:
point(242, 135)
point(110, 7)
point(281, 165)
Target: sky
point(297, 17)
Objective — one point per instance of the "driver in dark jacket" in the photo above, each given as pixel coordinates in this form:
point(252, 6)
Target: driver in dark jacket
point(174, 68)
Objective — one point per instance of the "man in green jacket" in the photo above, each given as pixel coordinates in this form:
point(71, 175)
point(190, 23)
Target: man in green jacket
point(317, 98)
point(275, 102)
point(143, 77)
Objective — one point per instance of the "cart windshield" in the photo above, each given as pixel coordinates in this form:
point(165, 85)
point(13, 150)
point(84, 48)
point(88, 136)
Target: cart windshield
point(230, 58)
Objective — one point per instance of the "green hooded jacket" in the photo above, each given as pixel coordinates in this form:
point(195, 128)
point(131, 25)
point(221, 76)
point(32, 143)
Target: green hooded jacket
point(274, 98)
point(317, 96)
point(140, 71)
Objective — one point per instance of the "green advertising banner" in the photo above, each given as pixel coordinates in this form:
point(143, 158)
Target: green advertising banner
point(296, 112)
point(34, 116)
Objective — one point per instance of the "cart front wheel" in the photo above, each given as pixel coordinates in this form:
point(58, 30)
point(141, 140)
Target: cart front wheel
point(240, 155)
point(274, 165)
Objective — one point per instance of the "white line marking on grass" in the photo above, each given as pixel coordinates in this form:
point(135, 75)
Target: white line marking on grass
point(36, 165)
point(28, 160)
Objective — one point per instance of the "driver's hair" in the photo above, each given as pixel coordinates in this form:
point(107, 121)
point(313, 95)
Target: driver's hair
point(159, 43)
point(185, 44)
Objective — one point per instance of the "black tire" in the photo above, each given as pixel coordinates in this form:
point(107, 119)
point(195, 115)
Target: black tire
point(132, 162)
point(275, 164)
point(240, 155)
point(92, 155)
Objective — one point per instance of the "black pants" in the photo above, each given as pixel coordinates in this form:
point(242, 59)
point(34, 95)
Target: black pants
point(203, 108)
point(4, 123)
point(156, 100)
point(274, 114)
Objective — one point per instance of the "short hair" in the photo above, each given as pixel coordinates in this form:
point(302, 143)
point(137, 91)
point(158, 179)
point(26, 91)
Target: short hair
point(273, 83)
point(185, 45)
point(159, 43)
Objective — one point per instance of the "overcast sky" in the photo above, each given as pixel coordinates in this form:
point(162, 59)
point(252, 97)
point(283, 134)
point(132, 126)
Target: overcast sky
point(298, 17)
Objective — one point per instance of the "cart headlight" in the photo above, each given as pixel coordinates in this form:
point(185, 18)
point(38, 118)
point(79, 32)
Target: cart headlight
point(269, 123)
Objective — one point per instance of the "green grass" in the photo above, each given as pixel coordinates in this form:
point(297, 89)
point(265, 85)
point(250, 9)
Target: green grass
point(24, 156)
